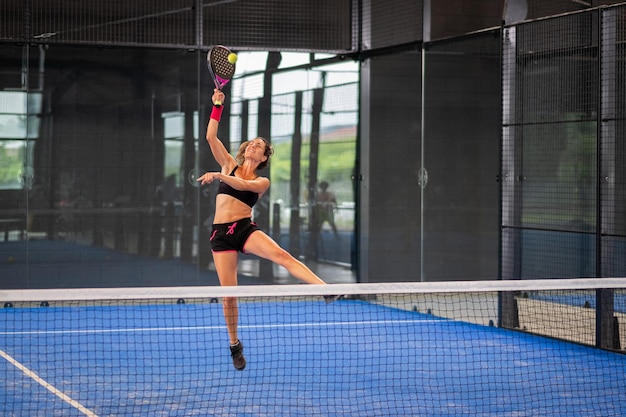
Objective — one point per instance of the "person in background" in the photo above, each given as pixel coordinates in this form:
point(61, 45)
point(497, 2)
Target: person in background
point(326, 202)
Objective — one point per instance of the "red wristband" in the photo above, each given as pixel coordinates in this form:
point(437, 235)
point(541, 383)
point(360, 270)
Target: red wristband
point(216, 113)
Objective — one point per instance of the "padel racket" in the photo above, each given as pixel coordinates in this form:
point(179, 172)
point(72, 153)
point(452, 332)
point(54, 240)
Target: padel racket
point(220, 68)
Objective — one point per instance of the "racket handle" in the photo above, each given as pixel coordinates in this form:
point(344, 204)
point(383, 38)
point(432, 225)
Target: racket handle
point(217, 103)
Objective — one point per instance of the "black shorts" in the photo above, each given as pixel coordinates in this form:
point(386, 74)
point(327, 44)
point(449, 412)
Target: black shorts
point(232, 236)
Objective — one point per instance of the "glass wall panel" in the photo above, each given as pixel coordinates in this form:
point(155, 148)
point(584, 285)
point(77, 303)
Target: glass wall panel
point(20, 110)
point(311, 203)
point(101, 148)
point(461, 158)
point(88, 197)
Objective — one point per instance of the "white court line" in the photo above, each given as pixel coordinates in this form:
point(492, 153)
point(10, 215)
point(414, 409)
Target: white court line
point(47, 386)
point(215, 327)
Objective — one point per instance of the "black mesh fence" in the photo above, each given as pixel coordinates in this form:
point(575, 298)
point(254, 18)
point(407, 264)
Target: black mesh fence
point(320, 25)
point(562, 153)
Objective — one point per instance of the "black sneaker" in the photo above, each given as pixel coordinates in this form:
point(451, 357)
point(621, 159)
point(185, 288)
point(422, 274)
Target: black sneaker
point(236, 351)
point(332, 298)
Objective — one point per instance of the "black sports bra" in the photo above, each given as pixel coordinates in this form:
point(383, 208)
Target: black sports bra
point(248, 197)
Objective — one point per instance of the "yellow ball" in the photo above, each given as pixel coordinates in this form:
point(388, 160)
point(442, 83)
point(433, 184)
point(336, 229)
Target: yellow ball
point(232, 58)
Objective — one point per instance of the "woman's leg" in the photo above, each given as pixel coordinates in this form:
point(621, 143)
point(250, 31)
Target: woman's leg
point(226, 267)
point(262, 245)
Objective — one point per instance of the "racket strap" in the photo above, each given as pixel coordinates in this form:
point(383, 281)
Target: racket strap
point(216, 113)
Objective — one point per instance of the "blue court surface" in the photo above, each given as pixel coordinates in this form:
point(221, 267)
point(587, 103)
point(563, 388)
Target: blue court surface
point(305, 358)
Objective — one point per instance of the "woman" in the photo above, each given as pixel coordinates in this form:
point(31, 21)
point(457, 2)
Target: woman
point(233, 230)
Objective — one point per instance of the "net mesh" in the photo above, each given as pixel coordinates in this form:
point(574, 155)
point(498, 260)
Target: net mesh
point(435, 349)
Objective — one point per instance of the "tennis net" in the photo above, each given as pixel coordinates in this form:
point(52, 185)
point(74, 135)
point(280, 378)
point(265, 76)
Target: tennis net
point(481, 348)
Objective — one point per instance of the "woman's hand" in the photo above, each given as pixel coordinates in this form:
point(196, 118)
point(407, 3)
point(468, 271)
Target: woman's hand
point(209, 177)
point(218, 96)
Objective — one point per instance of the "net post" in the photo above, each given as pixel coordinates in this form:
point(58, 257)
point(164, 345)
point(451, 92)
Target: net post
point(606, 320)
point(508, 315)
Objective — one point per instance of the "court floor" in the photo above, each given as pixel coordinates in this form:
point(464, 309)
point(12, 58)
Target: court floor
point(305, 358)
